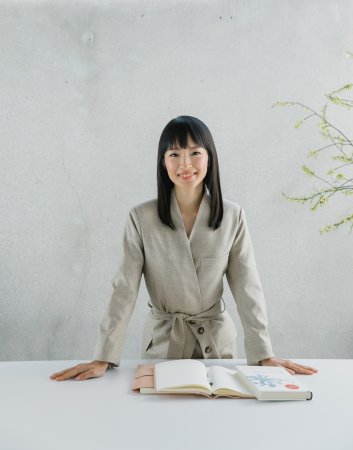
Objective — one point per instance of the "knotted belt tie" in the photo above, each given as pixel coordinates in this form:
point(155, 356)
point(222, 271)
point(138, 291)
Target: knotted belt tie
point(177, 335)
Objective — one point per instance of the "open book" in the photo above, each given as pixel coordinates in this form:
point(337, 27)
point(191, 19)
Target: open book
point(190, 376)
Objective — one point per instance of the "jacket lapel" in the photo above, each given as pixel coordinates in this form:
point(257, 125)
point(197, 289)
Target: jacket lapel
point(201, 220)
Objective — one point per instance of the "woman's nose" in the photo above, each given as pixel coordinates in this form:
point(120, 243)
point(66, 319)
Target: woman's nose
point(185, 161)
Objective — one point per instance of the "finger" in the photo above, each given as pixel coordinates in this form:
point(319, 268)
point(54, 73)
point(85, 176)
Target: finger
point(287, 369)
point(298, 368)
point(69, 374)
point(63, 371)
point(85, 375)
point(301, 365)
point(309, 368)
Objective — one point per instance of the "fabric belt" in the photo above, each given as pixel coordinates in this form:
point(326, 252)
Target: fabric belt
point(177, 335)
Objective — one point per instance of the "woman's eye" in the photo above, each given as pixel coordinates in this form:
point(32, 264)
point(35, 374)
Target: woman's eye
point(172, 154)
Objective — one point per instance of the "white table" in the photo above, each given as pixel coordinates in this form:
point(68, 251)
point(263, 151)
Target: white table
point(100, 413)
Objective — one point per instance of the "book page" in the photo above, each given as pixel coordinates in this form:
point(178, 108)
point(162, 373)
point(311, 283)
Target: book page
point(181, 373)
point(224, 378)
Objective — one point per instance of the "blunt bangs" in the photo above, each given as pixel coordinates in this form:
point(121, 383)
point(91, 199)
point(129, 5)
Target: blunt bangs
point(177, 131)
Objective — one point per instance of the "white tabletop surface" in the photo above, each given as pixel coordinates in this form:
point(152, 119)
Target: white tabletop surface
point(100, 413)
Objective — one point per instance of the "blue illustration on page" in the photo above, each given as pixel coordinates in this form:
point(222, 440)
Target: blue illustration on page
point(264, 380)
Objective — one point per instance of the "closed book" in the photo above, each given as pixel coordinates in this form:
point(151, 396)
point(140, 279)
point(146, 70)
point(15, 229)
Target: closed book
point(273, 383)
point(191, 376)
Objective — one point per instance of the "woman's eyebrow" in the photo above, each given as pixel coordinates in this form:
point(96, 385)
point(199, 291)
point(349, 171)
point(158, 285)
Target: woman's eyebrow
point(177, 148)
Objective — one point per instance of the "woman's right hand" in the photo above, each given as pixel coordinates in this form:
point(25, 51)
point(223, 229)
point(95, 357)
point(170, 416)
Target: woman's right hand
point(82, 371)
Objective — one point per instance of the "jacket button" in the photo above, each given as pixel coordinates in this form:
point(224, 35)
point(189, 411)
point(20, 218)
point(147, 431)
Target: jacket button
point(192, 322)
point(208, 349)
point(201, 330)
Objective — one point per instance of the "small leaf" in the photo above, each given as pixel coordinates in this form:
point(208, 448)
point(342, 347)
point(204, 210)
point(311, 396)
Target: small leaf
point(327, 229)
point(308, 171)
point(342, 158)
point(280, 104)
point(313, 153)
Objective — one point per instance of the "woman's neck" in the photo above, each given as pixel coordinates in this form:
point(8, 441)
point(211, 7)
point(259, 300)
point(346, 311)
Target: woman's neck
point(189, 200)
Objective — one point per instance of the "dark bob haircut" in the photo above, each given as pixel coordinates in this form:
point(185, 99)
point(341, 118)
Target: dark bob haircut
point(176, 133)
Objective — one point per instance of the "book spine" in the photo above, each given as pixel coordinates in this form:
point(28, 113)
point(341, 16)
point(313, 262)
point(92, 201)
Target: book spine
point(243, 378)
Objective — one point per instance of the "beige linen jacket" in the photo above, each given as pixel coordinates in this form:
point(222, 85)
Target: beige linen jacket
point(184, 279)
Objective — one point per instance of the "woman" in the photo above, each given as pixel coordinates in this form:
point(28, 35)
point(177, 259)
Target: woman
point(184, 242)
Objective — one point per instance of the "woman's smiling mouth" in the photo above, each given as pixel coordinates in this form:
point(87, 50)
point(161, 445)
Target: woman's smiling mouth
point(187, 176)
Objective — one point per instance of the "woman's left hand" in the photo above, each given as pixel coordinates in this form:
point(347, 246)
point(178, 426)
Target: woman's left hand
point(290, 366)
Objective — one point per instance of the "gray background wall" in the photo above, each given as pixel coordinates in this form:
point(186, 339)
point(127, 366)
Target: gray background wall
point(86, 89)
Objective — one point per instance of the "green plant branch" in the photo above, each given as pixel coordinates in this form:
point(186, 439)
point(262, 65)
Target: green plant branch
point(323, 191)
point(340, 187)
point(333, 226)
point(316, 114)
point(339, 141)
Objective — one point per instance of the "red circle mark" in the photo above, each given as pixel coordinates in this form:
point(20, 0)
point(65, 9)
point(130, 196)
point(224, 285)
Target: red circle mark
point(291, 386)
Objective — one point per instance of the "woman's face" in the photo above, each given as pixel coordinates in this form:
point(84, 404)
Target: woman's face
point(188, 161)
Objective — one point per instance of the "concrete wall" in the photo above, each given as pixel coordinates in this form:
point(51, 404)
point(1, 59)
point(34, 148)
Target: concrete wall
point(86, 89)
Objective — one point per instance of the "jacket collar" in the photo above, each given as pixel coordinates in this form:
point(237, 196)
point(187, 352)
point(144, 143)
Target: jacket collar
point(202, 217)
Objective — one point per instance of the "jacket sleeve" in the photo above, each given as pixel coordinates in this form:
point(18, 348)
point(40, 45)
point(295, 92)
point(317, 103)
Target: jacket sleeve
point(126, 285)
point(245, 285)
